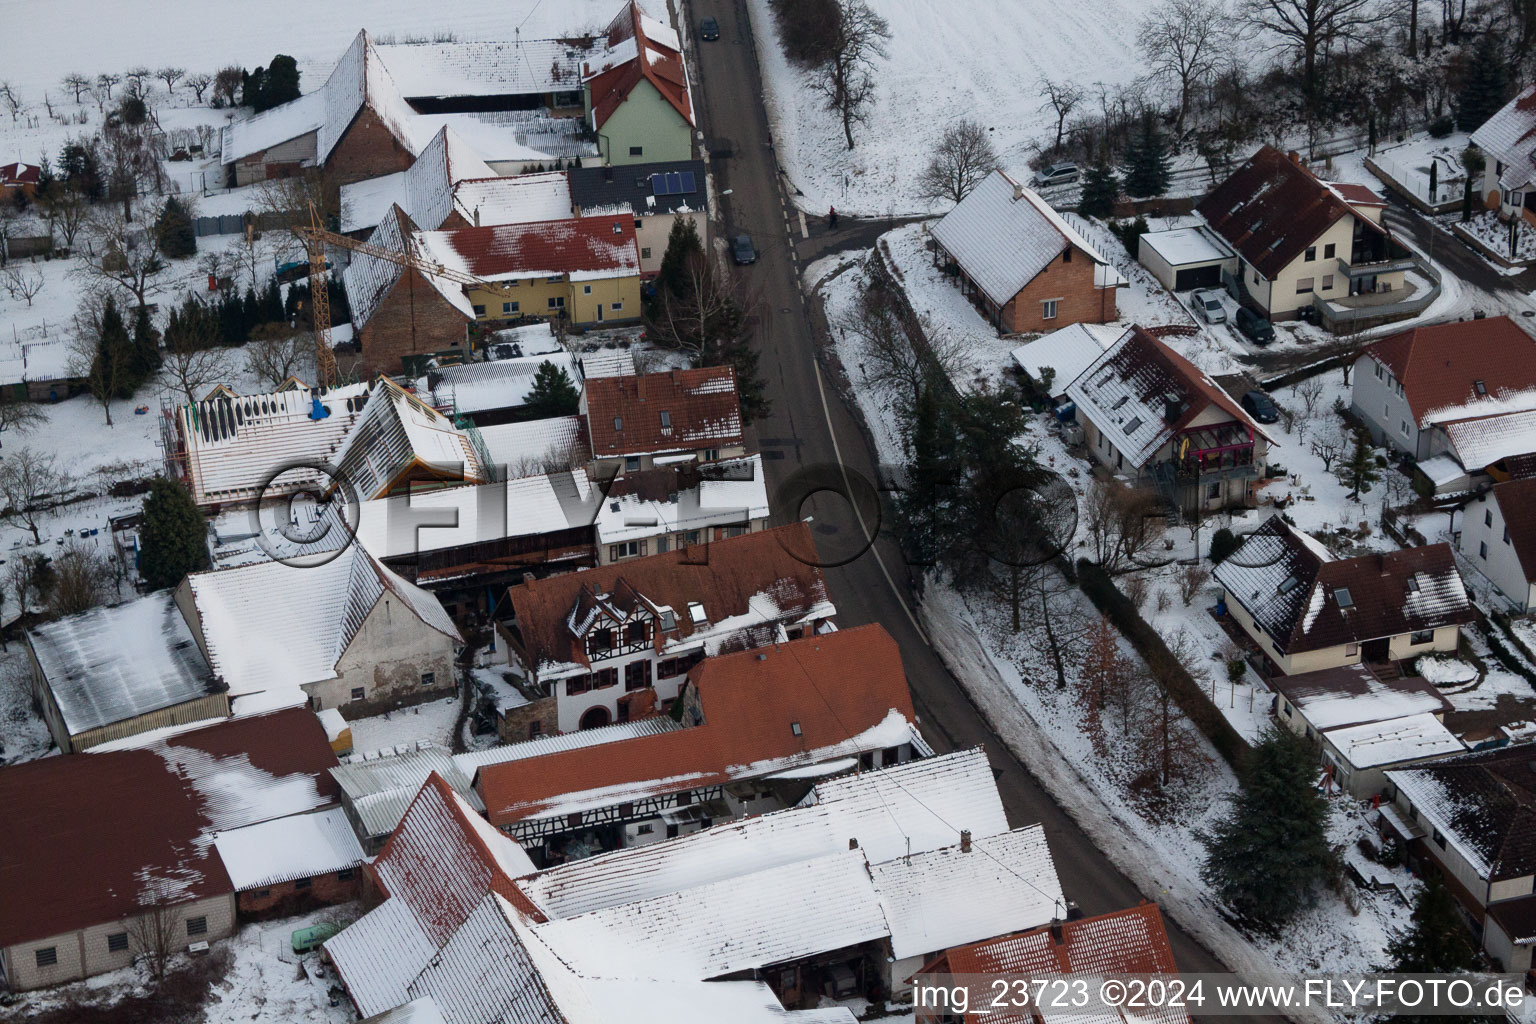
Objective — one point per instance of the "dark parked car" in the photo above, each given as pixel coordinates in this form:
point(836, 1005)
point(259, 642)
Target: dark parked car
point(709, 30)
point(1261, 407)
point(741, 248)
point(1256, 328)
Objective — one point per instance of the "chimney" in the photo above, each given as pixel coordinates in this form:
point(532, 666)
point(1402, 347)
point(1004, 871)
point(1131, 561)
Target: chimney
point(965, 840)
point(1295, 158)
point(528, 577)
point(1018, 191)
point(477, 216)
point(853, 844)
point(1058, 935)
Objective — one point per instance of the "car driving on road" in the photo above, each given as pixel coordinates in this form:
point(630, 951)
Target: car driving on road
point(1208, 304)
point(709, 30)
point(1254, 327)
point(742, 250)
point(1261, 407)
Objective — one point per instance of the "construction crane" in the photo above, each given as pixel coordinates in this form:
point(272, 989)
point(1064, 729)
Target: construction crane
point(316, 237)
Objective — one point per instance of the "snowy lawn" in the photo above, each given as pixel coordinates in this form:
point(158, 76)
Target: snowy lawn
point(838, 279)
point(430, 721)
point(946, 61)
point(1494, 233)
point(23, 736)
point(1010, 680)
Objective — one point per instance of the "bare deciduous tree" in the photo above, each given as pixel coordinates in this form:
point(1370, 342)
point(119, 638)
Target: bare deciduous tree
point(892, 361)
point(1184, 42)
point(81, 578)
point(199, 84)
point(1309, 29)
point(277, 355)
point(1192, 579)
point(22, 578)
point(65, 210)
point(1061, 98)
point(963, 158)
point(226, 84)
point(191, 362)
point(137, 77)
point(77, 82)
point(28, 480)
point(23, 284)
point(857, 41)
point(122, 255)
point(1309, 391)
point(105, 81)
point(1122, 524)
point(12, 99)
point(19, 415)
point(1328, 444)
point(170, 76)
point(158, 931)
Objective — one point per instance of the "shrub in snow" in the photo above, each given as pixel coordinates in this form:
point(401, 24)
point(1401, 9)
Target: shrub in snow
point(1223, 543)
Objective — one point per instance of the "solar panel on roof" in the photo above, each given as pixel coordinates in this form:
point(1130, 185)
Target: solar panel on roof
point(689, 185)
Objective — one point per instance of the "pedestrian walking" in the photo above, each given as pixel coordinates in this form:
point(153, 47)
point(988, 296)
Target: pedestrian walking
point(832, 217)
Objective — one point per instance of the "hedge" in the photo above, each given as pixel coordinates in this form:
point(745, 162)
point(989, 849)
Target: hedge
point(1165, 668)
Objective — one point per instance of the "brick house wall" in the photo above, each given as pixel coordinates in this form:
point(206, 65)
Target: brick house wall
point(368, 149)
point(1069, 280)
point(516, 724)
point(288, 898)
point(414, 317)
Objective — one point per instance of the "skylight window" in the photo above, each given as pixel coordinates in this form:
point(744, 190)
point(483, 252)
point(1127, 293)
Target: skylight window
point(1134, 425)
point(618, 423)
point(1480, 387)
point(1121, 401)
point(1413, 584)
point(696, 614)
point(1290, 584)
point(1344, 597)
point(666, 420)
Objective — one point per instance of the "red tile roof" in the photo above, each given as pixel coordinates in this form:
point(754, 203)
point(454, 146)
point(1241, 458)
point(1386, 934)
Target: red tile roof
point(834, 686)
point(1271, 208)
point(20, 174)
point(84, 831)
point(654, 62)
point(1439, 366)
point(625, 415)
point(723, 576)
point(1130, 941)
point(441, 865)
point(599, 246)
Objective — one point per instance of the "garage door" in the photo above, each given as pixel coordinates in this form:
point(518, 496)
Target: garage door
point(1197, 277)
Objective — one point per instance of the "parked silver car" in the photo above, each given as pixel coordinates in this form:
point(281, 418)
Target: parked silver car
point(1056, 174)
point(1208, 304)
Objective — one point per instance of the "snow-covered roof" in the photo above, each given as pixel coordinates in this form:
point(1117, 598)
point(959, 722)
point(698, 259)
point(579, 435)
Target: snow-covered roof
point(237, 444)
point(280, 124)
point(473, 761)
point(1480, 441)
point(108, 665)
point(679, 934)
point(514, 447)
point(452, 517)
point(1353, 695)
point(1068, 351)
point(1509, 137)
point(360, 78)
point(417, 1011)
point(514, 67)
point(272, 626)
point(580, 248)
point(518, 199)
point(669, 501)
point(488, 386)
point(1002, 234)
point(1306, 601)
point(1394, 741)
point(925, 802)
point(380, 786)
point(518, 137)
point(640, 48)
point(1482, 805)
point(398, 433)
point(1182, 247)
point(618, 363)
point(379, 955)
point(481, 973)
point(949, 896)
point(284, 849)
point(1141, 394)
point(424, 191)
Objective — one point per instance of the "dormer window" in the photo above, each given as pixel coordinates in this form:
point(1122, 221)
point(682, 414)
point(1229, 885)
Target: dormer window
point(634, 633)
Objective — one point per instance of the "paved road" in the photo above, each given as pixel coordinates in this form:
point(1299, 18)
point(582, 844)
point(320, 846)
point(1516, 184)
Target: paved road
point(797, 435)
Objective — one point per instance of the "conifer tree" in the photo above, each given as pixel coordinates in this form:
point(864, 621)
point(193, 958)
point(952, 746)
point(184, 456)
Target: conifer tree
point(552, 394)
point(173, 231)
point(1486, 85)
point(1436, 942)
point(1270, 853)
point(1100, 190)
point(1146, 161)
point(173, 540)
point(146, 347)
point(1359, 470)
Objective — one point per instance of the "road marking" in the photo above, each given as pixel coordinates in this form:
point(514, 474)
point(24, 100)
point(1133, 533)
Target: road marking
point(804, 233)
point(863, 527)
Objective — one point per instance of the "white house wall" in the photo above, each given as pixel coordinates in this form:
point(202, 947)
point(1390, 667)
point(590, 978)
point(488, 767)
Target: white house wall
point(1501, 567)
point(1377, 400)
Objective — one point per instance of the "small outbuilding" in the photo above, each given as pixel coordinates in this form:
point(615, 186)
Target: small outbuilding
point(1186, 258)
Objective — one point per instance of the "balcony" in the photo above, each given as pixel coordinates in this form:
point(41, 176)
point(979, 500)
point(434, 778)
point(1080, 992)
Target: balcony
point(1364, 264)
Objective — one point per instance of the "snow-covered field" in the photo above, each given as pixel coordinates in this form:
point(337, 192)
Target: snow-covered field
point(946, 61)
